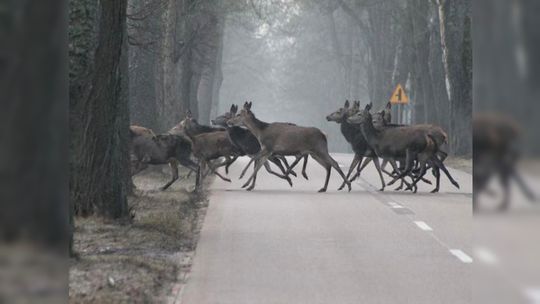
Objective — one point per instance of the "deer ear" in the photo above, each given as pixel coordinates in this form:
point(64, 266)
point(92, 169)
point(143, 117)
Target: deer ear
point(249, 105)
point(346, 104)
point(389, 105)
point(232, 108)
point(368, 106)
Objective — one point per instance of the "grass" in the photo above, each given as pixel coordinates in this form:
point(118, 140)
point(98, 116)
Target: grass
point(138, 262)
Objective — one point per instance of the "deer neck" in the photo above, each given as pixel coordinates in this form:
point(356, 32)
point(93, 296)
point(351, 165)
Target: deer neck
point(255, 126)
point(370, 133)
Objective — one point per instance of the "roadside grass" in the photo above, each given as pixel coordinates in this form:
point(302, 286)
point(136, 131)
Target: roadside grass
point(138, 262)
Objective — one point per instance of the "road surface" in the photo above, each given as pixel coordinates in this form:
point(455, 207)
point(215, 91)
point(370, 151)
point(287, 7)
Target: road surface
point(279, 244)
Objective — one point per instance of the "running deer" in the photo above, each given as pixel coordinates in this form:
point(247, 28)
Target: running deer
point(436, 133)
point(150, 149)
point(248, 144)
point(210, 146)
point(353, 135)
point(397, 143)
point(286, 139)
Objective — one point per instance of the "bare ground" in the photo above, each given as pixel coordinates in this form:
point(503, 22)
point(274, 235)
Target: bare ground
point(142, 261)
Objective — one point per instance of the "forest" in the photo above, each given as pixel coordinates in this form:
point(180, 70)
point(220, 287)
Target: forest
point(146, 62)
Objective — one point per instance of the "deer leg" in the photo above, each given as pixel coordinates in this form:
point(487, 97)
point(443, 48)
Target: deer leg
point(246, 167)
point(395, 167)
point(283, 160)
point(212, 169)
point(173, 163)
point(422, 167)
point(327, 166)
point(259, 163)
point(276, 161)
point(285, 177)
point(436, 172)
point(290, 168)
point(409, 160)
point(328, 162)
point(357, 160)
point(229, 163)
point(359, 169)
point(304, 174)
point(378, 166)
point(438, 163)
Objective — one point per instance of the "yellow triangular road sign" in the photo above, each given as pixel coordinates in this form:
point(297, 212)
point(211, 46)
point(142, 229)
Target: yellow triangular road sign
point(399, 95)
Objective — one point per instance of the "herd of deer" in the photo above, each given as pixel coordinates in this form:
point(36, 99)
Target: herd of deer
point(410, 150)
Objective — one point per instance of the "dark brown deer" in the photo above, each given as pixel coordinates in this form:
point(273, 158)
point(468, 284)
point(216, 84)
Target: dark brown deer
point(286, 139)
point(209, 146)
point(396, 143)
point(250, 145)
point(353, 135)
point(149, 149)
point(436, 133)
point(247, 143)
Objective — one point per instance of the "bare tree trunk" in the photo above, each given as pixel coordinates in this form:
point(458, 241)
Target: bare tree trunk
point(424, 99)
point(169, 108)
point(99, 129)
point(455, 32)
point(436, 69)
point(218, 77)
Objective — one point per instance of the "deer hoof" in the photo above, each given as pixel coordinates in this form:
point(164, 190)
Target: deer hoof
point(292, 173)
point(289, 181)
point(341, 187)
point(382, 189)
point(245, 185)
point(227, 180)
point(435, 190)
point(250, 188)
point(305, 176)
point(456, 184)
point(322, 190)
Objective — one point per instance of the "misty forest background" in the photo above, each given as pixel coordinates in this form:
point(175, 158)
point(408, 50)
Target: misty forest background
point(146, 62)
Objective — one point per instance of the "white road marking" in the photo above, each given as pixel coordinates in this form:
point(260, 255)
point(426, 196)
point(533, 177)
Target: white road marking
point(423, 226)
point(485, 256)
point(462, 256)
point(395, 205)
point(533, 294)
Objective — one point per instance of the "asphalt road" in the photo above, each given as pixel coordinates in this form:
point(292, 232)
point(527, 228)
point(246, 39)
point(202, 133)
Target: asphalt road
point(279, 244)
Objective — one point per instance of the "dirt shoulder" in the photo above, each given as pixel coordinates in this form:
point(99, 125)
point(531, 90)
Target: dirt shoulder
point(142, 261)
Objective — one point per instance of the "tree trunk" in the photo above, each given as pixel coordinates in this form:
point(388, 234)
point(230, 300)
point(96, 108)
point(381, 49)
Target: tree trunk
point(99, 130)
point(455, 33)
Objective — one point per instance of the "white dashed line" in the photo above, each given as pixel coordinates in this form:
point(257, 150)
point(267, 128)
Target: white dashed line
point(485, 256)
point(462, 256)
point(423, 226)
point(395, 205)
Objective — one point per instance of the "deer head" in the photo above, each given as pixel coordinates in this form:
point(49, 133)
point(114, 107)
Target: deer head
point(222, 119)
point(362, 116)
point(240, 118)
point(340, 115)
